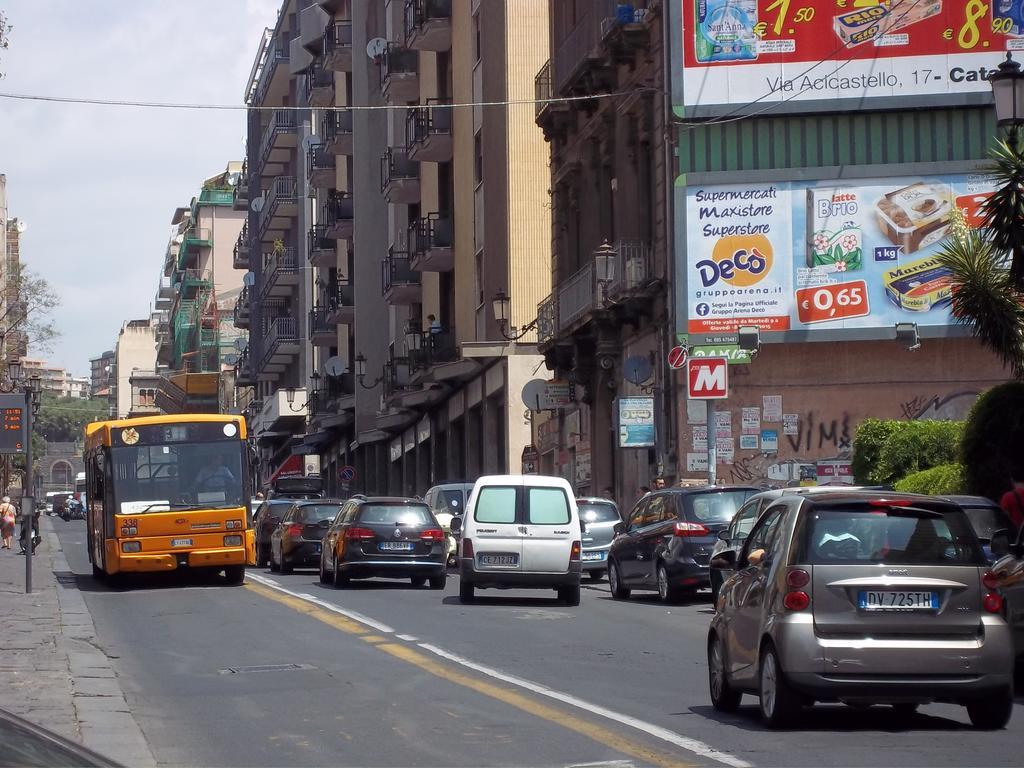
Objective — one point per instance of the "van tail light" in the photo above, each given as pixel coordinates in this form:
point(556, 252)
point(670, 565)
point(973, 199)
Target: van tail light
point(685, 528)
point(796, 601)
point(294, 530)
point(993, 602)
point(990, 580)
point(577, 548)
point(798, 578)
point(467, 548)
point(355, 534)
point(432, 534)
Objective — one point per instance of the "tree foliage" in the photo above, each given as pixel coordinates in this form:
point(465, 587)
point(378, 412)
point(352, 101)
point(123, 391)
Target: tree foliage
point(30, 312)
point(885, 452)
point(871, 436)
point(1004, 208)
point(992, 447)
point(5, 32)
point(62, 420)
point(943, 480)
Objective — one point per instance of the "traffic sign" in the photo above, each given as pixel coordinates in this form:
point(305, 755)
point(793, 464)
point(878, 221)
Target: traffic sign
point(707, 378)
point(347, 474)
point(677, 358)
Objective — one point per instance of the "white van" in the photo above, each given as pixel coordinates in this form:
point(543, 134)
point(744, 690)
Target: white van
point(520, 532)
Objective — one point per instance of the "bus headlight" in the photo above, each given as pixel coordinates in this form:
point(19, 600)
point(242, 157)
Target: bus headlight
point(133, 531)
point(234, 525)
point(232, 541)
point(131, 546)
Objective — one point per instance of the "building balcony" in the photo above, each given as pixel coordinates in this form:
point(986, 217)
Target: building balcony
point(428, 132)
point(634, 273)
point(341, 303)
point(240, 194)
point(243, 312)
point(322, 332)
point(332, 395)
point(193, 281)
point(319, 86)
point(336, 132)
point(271, 83)
point(428, 25)
point(338, 46)
point(431, 243)
point(321, 167)
point(579, 64)
point(193, 240)
point(280, 273)
point(577, 297)
point(164, 293)
point(278, 142)
point(281, 345)
point(337, 216)
point(280, 208)
point(433, 348)
point(240, 254)
point(399, 74)
point(323, 250)
point(399, 177)
point(400, 284)
point(547, 320)
point(281, 411)
point(398, 375)
point(551, 116)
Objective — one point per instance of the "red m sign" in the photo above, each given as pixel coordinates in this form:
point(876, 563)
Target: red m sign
point(707, 378)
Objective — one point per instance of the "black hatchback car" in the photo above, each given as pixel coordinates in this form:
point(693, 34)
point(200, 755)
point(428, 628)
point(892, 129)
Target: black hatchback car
point(395, 538)
point(266, 520)
point(296, 541)
point(666, 542)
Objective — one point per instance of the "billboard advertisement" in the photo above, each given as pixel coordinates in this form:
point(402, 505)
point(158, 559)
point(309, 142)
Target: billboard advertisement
point(759, 53)
point(823, 255)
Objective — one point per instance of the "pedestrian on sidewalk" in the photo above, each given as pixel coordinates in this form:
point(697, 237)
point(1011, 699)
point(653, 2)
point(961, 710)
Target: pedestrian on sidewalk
point(7, 518)
point(1012, 502)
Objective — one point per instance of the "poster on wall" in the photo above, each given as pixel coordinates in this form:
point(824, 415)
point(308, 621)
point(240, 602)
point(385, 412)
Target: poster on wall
point(770, 440)
point(700, 438)
point(751, 421)
point(772, 406)
point(764, 52)
point(748, 442)
point(824, 255)
point(636, 422)
point(791, 424)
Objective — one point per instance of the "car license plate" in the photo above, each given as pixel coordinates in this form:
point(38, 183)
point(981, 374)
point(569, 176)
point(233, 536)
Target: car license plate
point(593, 555)
point(499, 559)
point(898, 601)
point(396, 546)
point(181, 542)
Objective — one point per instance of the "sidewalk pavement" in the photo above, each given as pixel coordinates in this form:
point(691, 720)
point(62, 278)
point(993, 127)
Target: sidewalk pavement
point(53, 671)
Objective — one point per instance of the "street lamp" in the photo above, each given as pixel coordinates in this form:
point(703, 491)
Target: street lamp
point(413, 337)
point(907, 333)
point(360, 361)
point(1008, 93)
point(501, 304)
point(14, 370)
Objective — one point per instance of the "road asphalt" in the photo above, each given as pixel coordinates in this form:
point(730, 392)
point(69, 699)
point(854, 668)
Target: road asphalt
point(286, 671)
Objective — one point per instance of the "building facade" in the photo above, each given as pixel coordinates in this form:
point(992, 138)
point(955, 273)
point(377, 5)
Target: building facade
point(134, 352)
point(13, 339)
point(100, 370)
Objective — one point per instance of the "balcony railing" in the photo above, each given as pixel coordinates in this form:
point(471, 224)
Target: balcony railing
point(329, 391)
point(434, 347)
point(240, 257)
point(336, 128)
point(276, 55)
point(428, 132)
point(279, 265)
point(240, 194)
point(634, 267)
point(282, 122)
point(397, 375)
point(245, 377)
point(399, 176)
point(283, 191)
point(399, 73)
point(547, 319)
point(580, 46)
point(320, 166)
point(431, 239)
point(319, 87)
point(322, 331)
point(337, 214)
point(396, 271)
point(280, 330)
point(576, 297)
point(338, 46)
point(428, 24)
point(242, 311)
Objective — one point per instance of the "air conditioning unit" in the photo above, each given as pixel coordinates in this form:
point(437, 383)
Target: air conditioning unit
point(636, 272)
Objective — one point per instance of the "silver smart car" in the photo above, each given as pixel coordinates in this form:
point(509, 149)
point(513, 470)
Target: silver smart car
point(864, 598)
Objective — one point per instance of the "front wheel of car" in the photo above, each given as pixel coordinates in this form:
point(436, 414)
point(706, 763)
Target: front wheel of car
point(724, 697)
point(993, 712)
point(438, 582)
point(323, 572)
point(569, 594)
point(619, 592)
point(780, 704)
point(466, 591)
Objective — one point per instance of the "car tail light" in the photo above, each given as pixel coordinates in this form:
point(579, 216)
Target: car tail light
point(467, 548)
point(890, 502)
point(685, 528)
point(993, 602)
point(233, 525)
point(796, 601)
point(577, 548)
point(354, 534)
point(432, 534)
point(131, 546)
point(798, 578)
point(990, 580)
point(232, 541)
point(294, 530)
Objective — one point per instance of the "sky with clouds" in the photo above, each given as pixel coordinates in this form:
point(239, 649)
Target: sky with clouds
point(98, 185)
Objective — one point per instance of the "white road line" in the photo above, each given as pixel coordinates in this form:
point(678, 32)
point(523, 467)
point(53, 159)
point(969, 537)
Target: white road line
point(690, 745)
point(407, 638)
point(323, 604)
point(663, 734)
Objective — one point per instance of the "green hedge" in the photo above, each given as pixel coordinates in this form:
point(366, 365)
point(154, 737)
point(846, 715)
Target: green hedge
point(992, 448)
point(944, 480)
point(885, 452)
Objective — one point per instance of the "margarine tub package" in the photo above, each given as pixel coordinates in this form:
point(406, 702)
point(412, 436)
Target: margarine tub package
point(916, 216)
point(919, 286)
point(725, 30)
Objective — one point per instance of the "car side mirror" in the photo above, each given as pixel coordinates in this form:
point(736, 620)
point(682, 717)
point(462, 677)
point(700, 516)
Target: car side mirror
point(455, 526)
point(724, 561)
point(1000, 543)
point(723, 536)
point(619, 529)
point(756, 557)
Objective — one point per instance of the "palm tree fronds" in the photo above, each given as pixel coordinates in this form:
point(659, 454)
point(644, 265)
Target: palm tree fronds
point(1004, 210)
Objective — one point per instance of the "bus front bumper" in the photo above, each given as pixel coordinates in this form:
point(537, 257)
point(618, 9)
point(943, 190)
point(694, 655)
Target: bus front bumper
point(170, 561)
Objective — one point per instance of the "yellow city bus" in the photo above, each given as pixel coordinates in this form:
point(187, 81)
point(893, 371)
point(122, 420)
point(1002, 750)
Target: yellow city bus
point(167, 493)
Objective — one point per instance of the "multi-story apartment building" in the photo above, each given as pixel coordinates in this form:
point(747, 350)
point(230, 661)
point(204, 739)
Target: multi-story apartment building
point(398, 367)
point(100, 370)
point(13, 338)
point(606, 326)
point(134, 353)
point(55, 380)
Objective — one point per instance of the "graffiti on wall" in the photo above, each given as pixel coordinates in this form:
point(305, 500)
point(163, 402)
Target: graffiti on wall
point(819, 433)
point(953, 406)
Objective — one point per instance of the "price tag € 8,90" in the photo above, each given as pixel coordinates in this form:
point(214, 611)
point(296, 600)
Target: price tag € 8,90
point(836, 301)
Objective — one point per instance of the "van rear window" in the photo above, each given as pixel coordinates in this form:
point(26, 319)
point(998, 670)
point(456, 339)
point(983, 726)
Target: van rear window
point(897, 536)
point(548, 506)
point(495, 504)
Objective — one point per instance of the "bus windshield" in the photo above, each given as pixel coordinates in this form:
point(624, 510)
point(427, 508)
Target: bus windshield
point(159, 478)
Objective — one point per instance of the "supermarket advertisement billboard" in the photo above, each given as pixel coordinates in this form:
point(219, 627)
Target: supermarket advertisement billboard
point(823, 255)
point(739, 52)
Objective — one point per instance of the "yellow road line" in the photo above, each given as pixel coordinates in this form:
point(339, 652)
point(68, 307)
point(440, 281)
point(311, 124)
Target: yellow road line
point(520, 701)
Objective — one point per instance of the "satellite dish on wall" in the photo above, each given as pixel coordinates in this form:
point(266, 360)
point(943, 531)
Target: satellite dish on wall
point(230, 359)
point(241, 343)
point(21, 226)
point(334, 367)
point(256, 205)
point(637, 369)
point(249, 279)
point(233, 179)
point(308, 142)
point(376, 47)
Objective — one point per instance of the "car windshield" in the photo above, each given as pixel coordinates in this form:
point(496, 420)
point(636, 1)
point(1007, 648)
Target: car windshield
point(158, 478)
point(598, 512)
point(394, 514)
point(453, 501)
point(715, 507)
point(894, 536)
point(316, 513)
